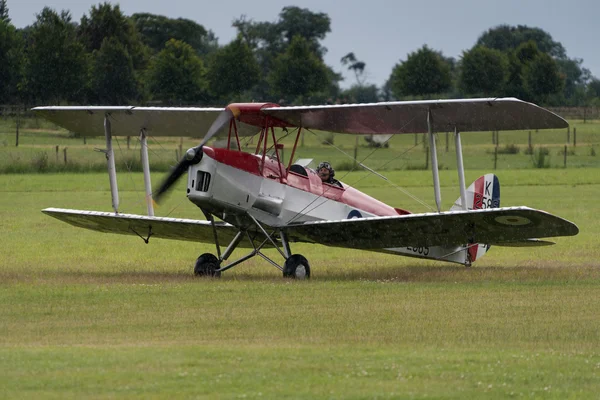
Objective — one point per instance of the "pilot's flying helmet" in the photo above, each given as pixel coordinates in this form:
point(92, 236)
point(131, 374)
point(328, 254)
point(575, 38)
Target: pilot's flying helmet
point(328, 166)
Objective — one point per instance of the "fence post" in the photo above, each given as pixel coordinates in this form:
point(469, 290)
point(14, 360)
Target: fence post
point(57, 154)
point(565, 158)
point(574, 136)
point(496, 156)
point(446, 142)
point(65, 155)
point(568, 134)
point(493, 137)
point(355, 151)
point(17, 136)
point(84, 140)
point(128, 141)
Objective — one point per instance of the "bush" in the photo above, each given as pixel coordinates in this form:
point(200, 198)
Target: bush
point(509, 149)
point(539, 158)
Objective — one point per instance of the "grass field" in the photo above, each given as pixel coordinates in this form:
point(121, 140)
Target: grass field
point(101, 316)
point(38, 142)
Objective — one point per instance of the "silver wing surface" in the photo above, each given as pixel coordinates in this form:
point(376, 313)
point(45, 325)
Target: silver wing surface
point(129, 120)
point(500, 226)
point(141, 225)
point(467, 115)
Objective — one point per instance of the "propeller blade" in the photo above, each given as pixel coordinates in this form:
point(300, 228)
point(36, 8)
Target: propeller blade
point(222, 120)
point(194, 155)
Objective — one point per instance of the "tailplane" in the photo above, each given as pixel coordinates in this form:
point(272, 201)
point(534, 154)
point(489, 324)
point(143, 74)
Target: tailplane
point(483, 193)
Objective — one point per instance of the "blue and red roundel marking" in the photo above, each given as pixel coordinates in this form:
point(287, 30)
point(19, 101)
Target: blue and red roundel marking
point(354, 214)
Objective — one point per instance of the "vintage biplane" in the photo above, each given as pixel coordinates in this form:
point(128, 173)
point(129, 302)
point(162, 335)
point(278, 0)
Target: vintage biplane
point(263, 201)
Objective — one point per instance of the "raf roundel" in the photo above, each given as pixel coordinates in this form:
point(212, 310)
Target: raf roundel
point(513, 220)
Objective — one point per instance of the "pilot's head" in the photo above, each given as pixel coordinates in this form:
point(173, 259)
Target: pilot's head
point(325, 171)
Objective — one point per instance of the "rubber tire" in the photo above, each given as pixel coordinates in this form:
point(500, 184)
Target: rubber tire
point(206, 265)
point(291, 270)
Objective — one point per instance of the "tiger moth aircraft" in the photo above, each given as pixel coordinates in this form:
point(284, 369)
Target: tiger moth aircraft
point(262, 201)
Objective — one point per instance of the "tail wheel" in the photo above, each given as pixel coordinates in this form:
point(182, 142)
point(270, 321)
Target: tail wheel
point(296, 267)
point(207, 265)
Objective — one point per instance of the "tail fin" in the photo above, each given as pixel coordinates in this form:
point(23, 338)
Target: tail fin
point(483, 193)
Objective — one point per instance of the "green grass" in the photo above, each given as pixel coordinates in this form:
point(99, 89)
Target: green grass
point(39, 144)
point(98, 316)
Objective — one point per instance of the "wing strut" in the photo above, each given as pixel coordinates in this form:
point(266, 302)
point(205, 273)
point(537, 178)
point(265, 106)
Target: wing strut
point(146, 168)
point(110, 162)
point(434, 162)
point(461, 169)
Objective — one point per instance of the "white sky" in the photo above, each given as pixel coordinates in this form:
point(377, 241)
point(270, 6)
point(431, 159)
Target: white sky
point(379, 32)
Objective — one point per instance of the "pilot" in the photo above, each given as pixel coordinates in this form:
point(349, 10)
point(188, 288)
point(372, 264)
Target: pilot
point(327, 173)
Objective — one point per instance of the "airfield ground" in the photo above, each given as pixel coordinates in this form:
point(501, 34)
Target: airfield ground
point(84, 314)
point(91, 315)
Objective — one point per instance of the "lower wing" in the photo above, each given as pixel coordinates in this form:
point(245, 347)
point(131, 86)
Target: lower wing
point(509, 226)
point(148, 227)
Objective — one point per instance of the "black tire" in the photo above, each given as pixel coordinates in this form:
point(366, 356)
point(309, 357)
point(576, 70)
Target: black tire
point(207, 265)
point(296, 267)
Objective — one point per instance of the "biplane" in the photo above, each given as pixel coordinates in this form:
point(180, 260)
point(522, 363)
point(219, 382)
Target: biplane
point(257, 200)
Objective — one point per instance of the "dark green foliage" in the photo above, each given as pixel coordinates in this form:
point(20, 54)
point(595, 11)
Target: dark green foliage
point(4, 12)
point(233, 69)
point(542, 78)
point(11, 61)
point(177, 75)
point(56, 65)
point(157, 30)
point(484, 71)
point(107, 21)
point(361, 94)
point(270, 40)
point(424, 73)
point(113, 80)
point(298, 72)
point(507, 38)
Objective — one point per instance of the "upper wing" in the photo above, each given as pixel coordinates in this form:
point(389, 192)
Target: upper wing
point(467, 115)
point(158, 227)
point(490, 226)
point(129, 120)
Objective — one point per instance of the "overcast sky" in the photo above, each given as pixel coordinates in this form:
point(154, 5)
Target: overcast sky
point(379, 32)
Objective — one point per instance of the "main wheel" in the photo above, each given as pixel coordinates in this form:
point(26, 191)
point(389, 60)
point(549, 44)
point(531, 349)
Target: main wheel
point(207, 265)
point(296, 267)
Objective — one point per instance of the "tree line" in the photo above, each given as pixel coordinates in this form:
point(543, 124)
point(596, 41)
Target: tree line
point(112, 59)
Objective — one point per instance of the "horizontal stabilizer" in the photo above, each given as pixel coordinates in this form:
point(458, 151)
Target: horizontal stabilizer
point(493, 226)
point(525, 243)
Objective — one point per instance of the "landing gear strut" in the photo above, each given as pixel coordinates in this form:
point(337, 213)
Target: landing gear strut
point(296, 266)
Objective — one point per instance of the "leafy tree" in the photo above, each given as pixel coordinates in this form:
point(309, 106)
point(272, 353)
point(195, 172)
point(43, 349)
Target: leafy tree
point(177, 75)
point(56, 65)
point(361, 94)
point(542, 77)
point(107, 21)
point(519, 59)
point(268, 40)
point(484, 71)
point(113, 81)
point(156, 30)
point(4, 12)
point(594, 88)
point(233, 69)
point(424, 73)
point(298, 72)
point(296, 21)
point(11, 61)
point(506, 38)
